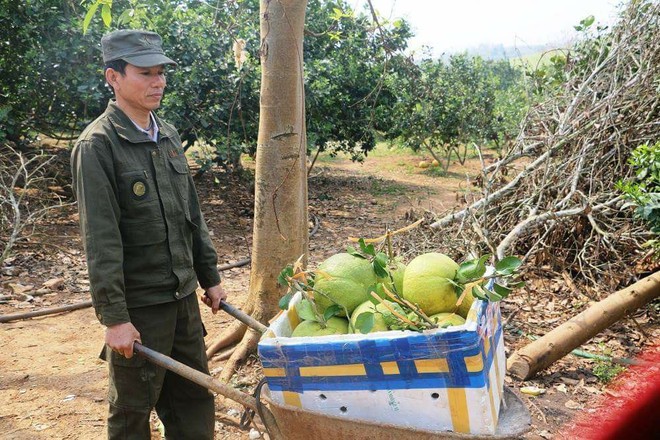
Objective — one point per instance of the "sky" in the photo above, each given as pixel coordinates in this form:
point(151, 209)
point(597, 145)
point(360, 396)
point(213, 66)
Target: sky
point(457, 25)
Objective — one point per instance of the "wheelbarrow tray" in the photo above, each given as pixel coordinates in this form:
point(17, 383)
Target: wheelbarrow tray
point(298, 424)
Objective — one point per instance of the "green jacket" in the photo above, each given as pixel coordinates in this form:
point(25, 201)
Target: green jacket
point(144, 235)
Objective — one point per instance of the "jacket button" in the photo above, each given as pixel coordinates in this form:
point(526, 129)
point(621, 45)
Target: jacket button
point(154, 153)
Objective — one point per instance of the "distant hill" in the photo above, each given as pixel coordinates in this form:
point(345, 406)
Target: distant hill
point(537, 59)
point(500, 52)
point(528, 53)
point(530, 56)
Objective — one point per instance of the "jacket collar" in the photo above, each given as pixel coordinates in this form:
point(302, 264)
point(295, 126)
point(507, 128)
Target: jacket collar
point(126, 129)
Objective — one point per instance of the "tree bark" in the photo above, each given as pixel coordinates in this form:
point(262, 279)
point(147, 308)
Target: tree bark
point(280, 234)
point(541, 353)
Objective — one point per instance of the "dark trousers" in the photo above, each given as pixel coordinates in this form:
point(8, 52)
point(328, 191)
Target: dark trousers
point(136, 386)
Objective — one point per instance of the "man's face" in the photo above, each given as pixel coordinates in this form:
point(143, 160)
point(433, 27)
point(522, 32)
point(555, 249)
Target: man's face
point(140, 89)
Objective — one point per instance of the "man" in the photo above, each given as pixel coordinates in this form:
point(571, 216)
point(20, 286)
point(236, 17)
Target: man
point(147, 246)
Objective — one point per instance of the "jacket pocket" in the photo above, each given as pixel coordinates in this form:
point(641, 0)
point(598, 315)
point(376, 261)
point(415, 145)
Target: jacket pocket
point(138, 197)
point(146, 256)
point(180, 173)
point(136, 187)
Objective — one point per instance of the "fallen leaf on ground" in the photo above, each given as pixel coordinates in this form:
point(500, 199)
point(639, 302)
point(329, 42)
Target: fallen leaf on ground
point(571, 404)
point(532, 391)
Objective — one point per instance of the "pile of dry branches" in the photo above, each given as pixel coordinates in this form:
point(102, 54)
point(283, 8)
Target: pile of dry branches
point(26, 195)
point(552, 198)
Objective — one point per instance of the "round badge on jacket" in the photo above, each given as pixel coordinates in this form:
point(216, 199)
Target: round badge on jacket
point(139, 189)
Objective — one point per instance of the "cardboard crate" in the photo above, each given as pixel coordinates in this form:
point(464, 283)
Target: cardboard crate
point(438, 380)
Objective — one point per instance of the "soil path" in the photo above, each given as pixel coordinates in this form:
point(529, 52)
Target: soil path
point(52, 384)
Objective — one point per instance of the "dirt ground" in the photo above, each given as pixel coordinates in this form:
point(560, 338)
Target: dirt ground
point(53, 386)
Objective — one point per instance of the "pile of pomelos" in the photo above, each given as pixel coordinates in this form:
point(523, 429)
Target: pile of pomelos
point(354, 293)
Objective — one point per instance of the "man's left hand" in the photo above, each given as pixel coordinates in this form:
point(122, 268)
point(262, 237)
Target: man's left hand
point(213, 296)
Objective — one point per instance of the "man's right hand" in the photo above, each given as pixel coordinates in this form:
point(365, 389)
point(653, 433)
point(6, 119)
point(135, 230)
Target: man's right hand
point(120, 338)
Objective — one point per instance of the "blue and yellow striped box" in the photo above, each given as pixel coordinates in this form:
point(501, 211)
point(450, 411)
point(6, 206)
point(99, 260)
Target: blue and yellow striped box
point(438, 380)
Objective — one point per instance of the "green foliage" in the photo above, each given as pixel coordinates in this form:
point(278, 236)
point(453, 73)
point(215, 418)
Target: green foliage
point(357, 81)
point(51, 79)
point(344, 63)
point(607, 371)
point(494, 285)
point(343, 58)
point(593, 45)
point(442, 105)
point(644, 190)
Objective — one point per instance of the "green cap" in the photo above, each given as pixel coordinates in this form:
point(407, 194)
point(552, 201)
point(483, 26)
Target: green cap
point(139, 48)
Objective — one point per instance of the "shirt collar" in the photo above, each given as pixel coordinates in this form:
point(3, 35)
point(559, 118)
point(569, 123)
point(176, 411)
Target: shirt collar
point(154, 125)
point(126, 128)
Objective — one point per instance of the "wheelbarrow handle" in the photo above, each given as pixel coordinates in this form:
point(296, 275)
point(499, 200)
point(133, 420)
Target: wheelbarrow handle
point(243, 317)
point(195, 376)
point(205, 381)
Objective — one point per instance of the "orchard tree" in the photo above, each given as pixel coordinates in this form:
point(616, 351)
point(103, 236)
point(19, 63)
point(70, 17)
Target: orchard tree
point(280, 234)
point(346, 56)
point(442, 106)
point(51, 81)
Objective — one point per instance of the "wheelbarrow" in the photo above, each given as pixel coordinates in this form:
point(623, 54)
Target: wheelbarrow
point(284, 422)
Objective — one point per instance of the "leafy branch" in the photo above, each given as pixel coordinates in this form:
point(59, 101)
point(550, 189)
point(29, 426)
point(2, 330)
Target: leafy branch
point(475, 273)
point(299, 280)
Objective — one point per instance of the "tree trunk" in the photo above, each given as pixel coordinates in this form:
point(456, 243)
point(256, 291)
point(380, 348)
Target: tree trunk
point(280, 234)
point(541, 353)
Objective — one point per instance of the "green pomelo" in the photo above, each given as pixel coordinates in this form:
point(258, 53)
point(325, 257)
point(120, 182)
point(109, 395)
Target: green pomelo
point(345, 279)
point(379, 321)
point(427, 283)
point(446, 319)
point(397, 272)
point(466, 305)
point(334, 326)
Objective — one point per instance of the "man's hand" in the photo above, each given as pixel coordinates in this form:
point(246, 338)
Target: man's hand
point(213, 296)
point(120, 338)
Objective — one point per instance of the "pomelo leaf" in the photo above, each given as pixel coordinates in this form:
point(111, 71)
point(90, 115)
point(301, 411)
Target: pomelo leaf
point(380, 265)
point(88, 16)
point(284, 301)
point(473, 269)
point(306, 311)
point(364, 322)
point(382, 259)
point(368, 249)
point(351, 250)
point(479, 292)
point(507, 265)
point(283, 277)
point(501, 290)
point(106, 14)
point(515, 284)
point(331, 311)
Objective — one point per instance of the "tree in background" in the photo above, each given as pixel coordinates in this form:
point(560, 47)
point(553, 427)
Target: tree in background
point(346, 61)
point(51, 81)
point(443, 106)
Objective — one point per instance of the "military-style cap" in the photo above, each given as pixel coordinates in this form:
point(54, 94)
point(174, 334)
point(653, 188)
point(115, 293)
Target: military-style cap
point(139, 48)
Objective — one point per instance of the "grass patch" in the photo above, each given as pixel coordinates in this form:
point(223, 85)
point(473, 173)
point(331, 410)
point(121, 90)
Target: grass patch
point(387, 149)
point(381, 188)
point(435, 172)
point(607, 371)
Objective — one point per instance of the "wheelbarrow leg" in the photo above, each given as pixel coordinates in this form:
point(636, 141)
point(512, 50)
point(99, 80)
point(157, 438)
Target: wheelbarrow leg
point(209, 383)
